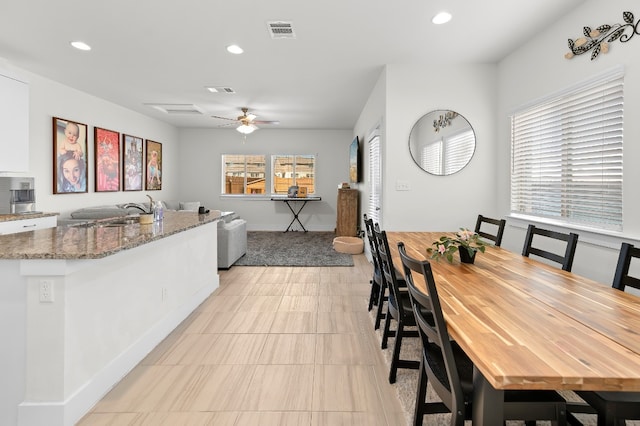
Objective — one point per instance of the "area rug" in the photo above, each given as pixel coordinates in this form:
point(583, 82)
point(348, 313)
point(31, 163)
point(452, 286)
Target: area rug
point(292, 249)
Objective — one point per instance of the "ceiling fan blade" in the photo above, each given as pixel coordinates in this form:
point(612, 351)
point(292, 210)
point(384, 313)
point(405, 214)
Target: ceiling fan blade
point(223, 118)
point(265, 122)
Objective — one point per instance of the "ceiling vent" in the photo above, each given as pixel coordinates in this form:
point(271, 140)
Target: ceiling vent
point(178, 109)
point(220, 89)
point(281, 29)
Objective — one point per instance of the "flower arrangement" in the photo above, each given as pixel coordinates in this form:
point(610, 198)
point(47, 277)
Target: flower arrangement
point(463, 240)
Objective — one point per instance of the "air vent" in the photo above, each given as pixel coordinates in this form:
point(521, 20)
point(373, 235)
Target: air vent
point(281, 29)
point(178, 109)
point(220, 89)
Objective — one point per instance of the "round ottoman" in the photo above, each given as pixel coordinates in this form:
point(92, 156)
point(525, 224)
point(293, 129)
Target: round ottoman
point(349, 245)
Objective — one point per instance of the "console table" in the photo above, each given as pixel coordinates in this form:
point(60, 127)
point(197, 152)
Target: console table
point(296, 213)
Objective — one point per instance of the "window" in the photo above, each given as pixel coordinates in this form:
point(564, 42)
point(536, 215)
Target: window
point(244, 174)
point(289, 170)
point(566, 155)
point(375, 177)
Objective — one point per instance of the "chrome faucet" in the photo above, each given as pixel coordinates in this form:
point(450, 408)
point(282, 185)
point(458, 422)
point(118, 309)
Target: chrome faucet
point(129, 205)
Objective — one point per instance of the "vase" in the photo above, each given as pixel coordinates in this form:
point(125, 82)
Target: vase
point(464, 255)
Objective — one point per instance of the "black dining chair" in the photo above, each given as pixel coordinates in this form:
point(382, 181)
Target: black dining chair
point(376, 279)
point(613, 408)
point(398, 308)
point(493, 223)
point(450, 371)
point(565, 260)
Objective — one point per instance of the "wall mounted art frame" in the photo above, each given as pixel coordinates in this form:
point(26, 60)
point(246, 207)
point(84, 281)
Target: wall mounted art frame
point(355, 165)
point(70, 165)
point(132, 163)
point(107, 160)
point(153, 157)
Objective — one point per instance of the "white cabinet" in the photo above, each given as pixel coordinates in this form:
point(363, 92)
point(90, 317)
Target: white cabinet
point(23, 225)
point(14, 122)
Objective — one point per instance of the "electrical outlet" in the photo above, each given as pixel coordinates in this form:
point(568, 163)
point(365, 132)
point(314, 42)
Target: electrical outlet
point(164, 293)
point(46, 291)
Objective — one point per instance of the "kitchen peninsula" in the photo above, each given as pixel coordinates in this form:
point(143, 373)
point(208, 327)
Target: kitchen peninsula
point(82, 305)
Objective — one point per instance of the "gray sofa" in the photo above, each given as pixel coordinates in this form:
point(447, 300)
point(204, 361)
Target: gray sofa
point(232, 240)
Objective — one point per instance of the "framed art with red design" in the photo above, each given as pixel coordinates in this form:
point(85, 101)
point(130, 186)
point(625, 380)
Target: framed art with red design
point(107, 160)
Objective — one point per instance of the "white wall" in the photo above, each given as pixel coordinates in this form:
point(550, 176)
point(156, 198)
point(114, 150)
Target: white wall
point(49, 99)
point(201, 172)
point(408, 92)
point(539, 68)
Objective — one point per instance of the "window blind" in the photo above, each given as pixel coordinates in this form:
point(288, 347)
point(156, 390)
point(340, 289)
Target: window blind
point(566, 156)
point(458, 151)
point(375, 179)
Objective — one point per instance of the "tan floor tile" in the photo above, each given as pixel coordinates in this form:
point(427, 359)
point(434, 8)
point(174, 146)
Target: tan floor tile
point(280, 388)
point(342, 303)
point(345, 388)
point(340, 322)
point(305, 275)
point(161, 419)
point(111, 419)
point(234, 349)
point(347, 419)
point(260, 304)
point(294, 322)
point(343, 349)
point(296, 288)
point(289, 349)
point(220, 304)
point(276, 275)
point(268, 289)
point(210, 322)
point(239, 289)
point(299, 303)
point(189, 349)
point(244, 322)
point(216, 388)
point(271, 418)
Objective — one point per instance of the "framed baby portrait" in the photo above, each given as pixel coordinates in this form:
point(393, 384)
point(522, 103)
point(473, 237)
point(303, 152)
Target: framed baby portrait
point(132, 163)
point(153, 156)
point(70, 166)
point(106, 155)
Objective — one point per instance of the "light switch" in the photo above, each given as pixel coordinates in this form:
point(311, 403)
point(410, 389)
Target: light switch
point(403, 185)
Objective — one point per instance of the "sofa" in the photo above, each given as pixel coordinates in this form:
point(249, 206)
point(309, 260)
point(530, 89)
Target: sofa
point(232, 240)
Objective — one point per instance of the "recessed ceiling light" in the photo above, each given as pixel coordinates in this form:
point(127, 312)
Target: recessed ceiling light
point(441, 18)
point(80, 45)
point(235, 49)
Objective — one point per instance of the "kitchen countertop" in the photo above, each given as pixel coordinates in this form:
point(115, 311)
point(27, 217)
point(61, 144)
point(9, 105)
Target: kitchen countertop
point(23, 216)
point(95, 240)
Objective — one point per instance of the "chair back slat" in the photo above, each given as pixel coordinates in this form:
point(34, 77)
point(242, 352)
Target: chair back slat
point(388, 270)
point(622, 278)
point(566, 260)
point(497, 237)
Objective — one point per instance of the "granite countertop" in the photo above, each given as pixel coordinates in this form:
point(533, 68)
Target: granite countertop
point(98, 239)
point(23, 216)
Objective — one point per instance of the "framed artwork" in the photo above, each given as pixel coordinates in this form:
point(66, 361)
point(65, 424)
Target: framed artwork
point(132, 163)
point(153, 157)
point(70, 166)
point(107, 159)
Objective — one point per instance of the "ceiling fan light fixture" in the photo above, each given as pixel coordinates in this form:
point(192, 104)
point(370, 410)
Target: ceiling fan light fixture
point(246, 129)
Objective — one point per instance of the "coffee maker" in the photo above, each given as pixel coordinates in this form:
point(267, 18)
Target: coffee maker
point(17, 195)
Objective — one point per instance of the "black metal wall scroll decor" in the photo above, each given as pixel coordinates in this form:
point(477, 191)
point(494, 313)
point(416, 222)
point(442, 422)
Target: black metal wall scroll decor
point(597, 40)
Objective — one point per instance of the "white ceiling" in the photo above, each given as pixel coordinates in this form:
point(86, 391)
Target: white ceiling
point(162, 51)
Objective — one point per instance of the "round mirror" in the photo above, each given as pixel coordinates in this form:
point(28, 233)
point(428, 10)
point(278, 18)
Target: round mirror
point(442, 142)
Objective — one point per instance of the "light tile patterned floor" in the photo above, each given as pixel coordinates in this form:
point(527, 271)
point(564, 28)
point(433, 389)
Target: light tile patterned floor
point(272, 346)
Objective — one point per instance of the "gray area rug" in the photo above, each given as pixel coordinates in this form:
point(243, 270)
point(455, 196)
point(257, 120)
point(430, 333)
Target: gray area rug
point(292, 249)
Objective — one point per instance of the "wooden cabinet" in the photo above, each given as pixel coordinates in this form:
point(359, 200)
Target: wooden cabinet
point(23, 225)
point(347, 219)
point(14, 121)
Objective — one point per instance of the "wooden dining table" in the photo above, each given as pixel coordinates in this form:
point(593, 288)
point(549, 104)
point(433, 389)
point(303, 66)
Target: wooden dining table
point(529, 325)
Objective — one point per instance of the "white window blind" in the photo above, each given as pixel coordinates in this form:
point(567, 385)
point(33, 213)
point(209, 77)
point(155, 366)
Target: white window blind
point(375, 179)
point(458, 151)
point(566, 156)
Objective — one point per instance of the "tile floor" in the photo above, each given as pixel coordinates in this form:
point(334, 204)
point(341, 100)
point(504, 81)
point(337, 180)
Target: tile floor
point(272, 346)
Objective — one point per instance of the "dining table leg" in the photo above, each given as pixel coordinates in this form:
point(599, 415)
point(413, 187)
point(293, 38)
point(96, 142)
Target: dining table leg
point(487, 402)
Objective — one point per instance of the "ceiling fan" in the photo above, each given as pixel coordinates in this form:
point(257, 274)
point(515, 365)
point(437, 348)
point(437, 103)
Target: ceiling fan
point(246, 122)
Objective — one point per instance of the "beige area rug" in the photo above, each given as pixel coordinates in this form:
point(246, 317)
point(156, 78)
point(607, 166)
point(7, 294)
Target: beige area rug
point(407, 383)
